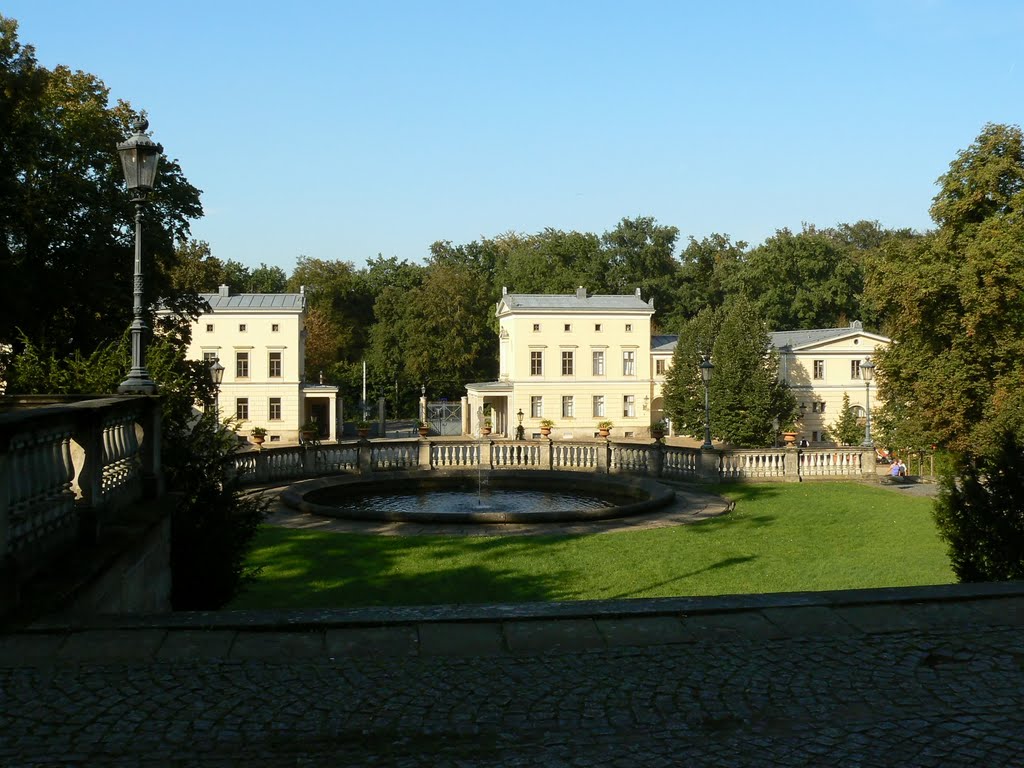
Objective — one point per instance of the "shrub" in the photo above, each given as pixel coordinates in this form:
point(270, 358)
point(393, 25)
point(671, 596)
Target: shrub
point(980, 514)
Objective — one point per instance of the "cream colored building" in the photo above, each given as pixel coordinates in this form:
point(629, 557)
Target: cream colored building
point(260, 341)
point(578, 360)
point(823, 364)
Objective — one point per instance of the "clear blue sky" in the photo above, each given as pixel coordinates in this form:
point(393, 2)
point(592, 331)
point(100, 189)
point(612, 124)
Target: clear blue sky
point(340, 130)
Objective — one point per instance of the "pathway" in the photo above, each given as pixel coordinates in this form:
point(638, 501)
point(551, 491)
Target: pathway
point(921, 677)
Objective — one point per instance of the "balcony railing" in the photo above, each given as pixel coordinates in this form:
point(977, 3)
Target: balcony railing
point(274, 464)
point(66, 466)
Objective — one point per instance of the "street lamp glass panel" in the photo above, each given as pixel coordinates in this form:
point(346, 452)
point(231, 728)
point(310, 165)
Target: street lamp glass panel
point(867, 370)
point(217, 373)
point(706, 367)
point(140, 156)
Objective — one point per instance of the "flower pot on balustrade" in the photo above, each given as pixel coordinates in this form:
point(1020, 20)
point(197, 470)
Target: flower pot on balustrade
point(603, 432)
point(258, 440)
point(424, 431)
point(789, 438)
point(485, 430)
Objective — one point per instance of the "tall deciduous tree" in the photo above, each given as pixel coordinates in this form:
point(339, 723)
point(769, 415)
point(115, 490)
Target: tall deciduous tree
point(641, 254)
point(953, 302)
point(66, 219)
point(804, 280)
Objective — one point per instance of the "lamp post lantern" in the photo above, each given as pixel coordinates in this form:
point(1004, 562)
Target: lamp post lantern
point(706, 368)
point(140, 156)
point(216, 376)
point(867, 371)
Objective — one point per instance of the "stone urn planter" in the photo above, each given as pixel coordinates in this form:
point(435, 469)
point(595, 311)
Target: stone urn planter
point(545, 431)
point(789, 438)
point(258, 440)
point(424, 430)
point(603, 431)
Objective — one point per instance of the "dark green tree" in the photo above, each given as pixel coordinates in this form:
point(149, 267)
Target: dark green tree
point(804, 280)
point(952, 302)
point(746, 395)
point(641, 254)
point(980, 513)
point(266, 279)
point(847, 429)
point(706, 270)
point(67, 222)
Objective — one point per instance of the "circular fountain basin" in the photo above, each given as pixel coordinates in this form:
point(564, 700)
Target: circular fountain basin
point(503, 496)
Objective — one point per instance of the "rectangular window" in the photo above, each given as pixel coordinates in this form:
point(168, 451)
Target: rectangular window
point(599, 362)
point(209, 327)
point(274, 365)
point(242, 408)
point(274, 327)
point(209, 358)
point(536, 363)
point(819, 369)
point(629, 327)
point(275, 409)
point(241, 365)
point(599, 405)
point(567, 406)
point(597, 327)
point(536, 327)
point(536, 407)
point(855, 369)
point(241, 327)
point(814, 436)
point(567, 362)
point(567, 328)
point(660, 366)
point(628, 406)
point(629, 363)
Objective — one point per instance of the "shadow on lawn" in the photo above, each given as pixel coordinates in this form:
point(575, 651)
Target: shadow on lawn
point(726, 563)
point(316, 572)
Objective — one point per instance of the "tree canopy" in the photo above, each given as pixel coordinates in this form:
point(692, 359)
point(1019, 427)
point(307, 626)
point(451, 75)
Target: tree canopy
point(952, 303)
point(66, 220)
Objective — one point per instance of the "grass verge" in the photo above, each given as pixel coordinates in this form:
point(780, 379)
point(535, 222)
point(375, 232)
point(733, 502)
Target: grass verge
point(780, 538)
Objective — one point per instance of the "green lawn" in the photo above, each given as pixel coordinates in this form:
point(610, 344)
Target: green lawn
point(780, 538)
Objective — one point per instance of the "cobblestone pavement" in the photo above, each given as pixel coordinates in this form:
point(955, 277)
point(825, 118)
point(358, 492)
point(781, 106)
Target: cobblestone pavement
point(910, 684)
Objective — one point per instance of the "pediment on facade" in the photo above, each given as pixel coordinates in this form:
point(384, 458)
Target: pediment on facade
point(855, 341)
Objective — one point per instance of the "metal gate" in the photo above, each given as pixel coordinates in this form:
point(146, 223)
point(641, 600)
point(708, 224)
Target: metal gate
point(445, 418)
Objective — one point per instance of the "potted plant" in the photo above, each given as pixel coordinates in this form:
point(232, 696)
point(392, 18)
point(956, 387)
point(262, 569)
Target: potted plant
point(259, 434)
point(545, 426)
point(658, 429)
point(604, 428)
point(423, 428)
point(309, 431)
point(789, 432)
point(363, 428)
point(487, 425)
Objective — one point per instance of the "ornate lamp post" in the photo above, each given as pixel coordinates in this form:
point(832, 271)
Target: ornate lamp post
point(140, 156)
point(519, 429)
point(867, 371)
point(216, 376)
point(706, 367)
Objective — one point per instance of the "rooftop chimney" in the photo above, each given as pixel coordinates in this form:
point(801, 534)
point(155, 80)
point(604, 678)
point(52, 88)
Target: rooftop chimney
point(581, 292)
point(224, 290)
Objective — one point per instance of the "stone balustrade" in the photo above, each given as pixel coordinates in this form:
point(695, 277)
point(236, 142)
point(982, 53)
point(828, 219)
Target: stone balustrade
point(272, 464)
point(66, 466)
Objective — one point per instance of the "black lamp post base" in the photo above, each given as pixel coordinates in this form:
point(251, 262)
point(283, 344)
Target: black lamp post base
point(137, 385)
